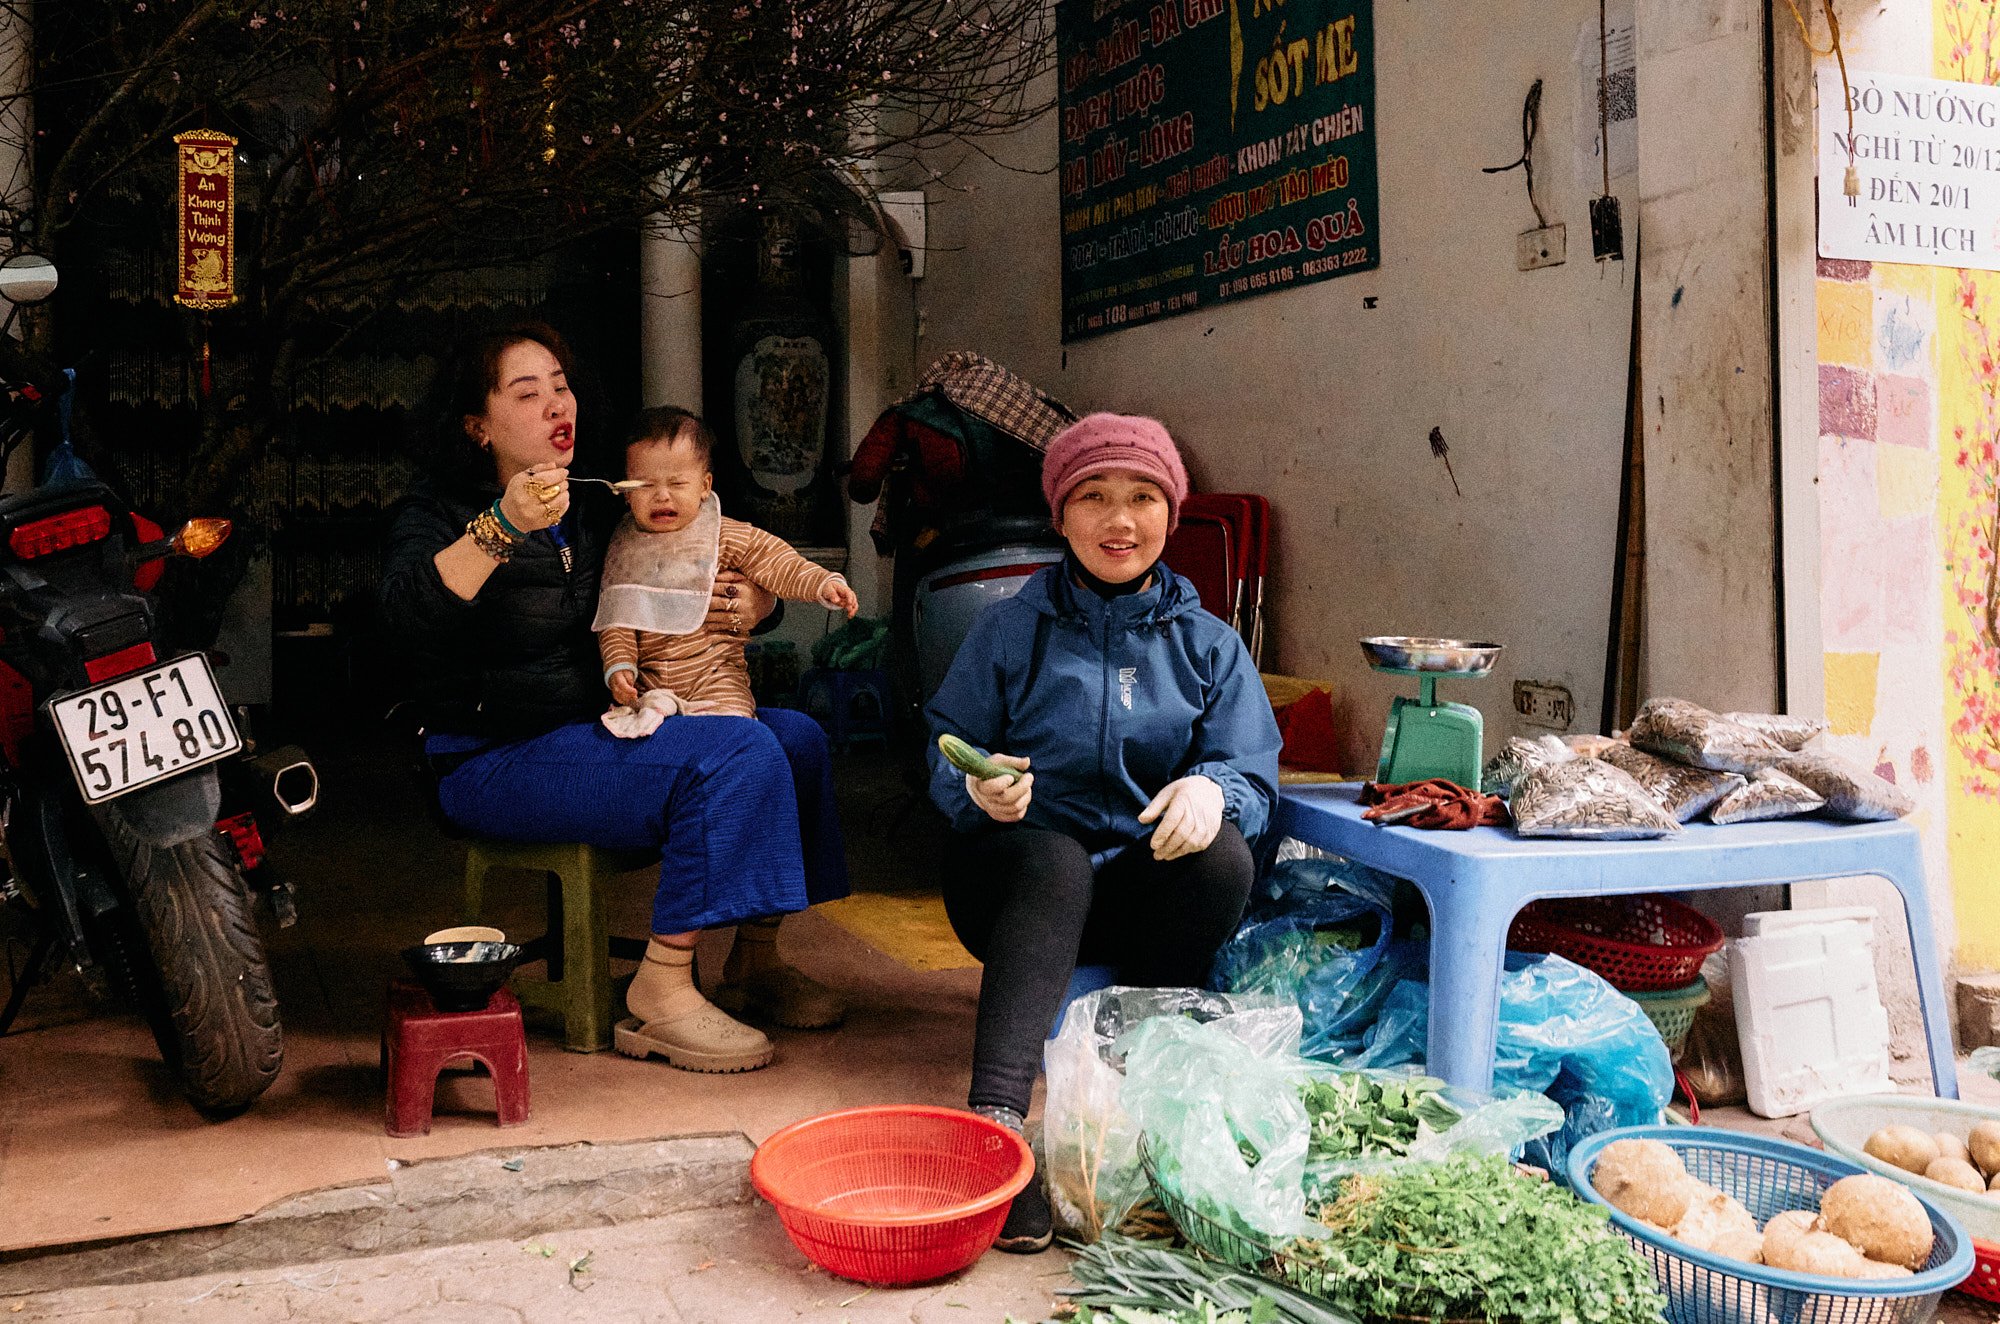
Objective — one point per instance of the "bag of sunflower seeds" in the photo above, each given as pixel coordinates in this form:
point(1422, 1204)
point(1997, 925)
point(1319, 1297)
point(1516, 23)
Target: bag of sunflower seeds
point(1682, 791)
point(1691, 734)
point(1518, 757)
point(1769, 794)
point(1588, 799)
point(1794, 733)
point(1851, 791)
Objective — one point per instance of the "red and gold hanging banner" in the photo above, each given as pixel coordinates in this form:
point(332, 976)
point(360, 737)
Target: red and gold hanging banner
point(207, 200)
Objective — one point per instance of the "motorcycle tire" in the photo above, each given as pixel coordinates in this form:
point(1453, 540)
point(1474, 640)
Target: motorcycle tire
point(222, 1037)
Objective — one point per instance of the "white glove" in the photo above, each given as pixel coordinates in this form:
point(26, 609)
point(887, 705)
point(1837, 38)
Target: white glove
point(654, 707)
point(1189, 812)
point(1003, 799)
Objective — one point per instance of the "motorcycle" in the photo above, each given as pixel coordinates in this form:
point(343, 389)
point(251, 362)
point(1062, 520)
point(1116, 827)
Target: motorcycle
point(130, 792)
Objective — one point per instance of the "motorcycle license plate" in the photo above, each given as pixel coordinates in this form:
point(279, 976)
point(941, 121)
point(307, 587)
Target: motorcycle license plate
point(144, 727)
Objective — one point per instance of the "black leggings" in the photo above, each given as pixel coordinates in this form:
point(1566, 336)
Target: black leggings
point(1022, 900)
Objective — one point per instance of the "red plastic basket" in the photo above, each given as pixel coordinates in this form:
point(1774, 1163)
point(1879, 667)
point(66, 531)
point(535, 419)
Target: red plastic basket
point(893, 1195)
point(1641, 944)
point(1985, 1280)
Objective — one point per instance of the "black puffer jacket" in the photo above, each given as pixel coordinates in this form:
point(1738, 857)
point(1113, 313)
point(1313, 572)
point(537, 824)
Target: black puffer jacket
point(517, 660)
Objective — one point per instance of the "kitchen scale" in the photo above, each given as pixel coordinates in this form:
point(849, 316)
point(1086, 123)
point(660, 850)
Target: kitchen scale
point(1426, 738)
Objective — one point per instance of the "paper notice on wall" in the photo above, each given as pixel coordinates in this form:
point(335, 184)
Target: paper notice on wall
point(1600, 100)
point(1926, 154)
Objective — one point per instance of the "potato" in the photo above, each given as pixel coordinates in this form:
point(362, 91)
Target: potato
point(1784, 1229)
point(1903, 1147)
point(1879, 1218)
point(1994, 1185)
point(1956, 1172)
point(1644, 1179)
point(1877, 1269)
point(1817, 1252)
point(1950, 1146)
point(1711, 1216)
point(1737, 1245)
point(1984, 1144)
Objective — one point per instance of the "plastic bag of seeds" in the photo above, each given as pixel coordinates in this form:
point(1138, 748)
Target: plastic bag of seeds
point(1518, 757)
point(1851, 790)
point(1682, 791)
point(1590, 746)
point(1587, 798)
point(1794, 733)
point(1769, 794)
point(1691, 734)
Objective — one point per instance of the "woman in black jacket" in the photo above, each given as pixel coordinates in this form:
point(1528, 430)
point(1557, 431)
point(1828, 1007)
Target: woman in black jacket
point(489, 587)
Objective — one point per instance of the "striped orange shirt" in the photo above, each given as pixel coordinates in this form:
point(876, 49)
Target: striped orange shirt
point(707, 665)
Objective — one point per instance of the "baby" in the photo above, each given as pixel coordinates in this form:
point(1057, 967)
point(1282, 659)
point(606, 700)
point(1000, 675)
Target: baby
point(659, 658)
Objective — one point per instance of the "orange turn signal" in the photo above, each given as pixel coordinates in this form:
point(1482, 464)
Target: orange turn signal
point(198, 537)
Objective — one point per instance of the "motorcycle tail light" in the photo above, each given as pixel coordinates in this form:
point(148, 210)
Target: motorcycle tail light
point(113, 665)
point(245, 836)
point(59, 533)
point(17, 712)
point(146, 577)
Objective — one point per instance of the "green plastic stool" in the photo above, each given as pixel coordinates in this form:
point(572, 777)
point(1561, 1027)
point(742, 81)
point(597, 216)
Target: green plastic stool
point(578, 944)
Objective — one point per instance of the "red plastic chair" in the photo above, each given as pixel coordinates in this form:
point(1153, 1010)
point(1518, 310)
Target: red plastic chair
point(1203, 552)
point(419, 1041)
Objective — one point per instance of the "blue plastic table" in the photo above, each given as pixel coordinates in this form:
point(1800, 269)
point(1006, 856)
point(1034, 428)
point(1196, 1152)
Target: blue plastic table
point(1475, 882)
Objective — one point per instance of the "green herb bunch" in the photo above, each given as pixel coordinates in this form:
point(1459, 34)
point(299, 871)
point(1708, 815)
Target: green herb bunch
point(1132, 1281)
point(1469, 1238)
point(1357, 1116)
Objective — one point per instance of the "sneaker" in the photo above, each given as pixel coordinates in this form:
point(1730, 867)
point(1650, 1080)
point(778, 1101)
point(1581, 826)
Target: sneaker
point(1030, 1228)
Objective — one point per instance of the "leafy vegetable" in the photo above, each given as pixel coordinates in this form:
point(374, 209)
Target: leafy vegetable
point(1468, 1238)
point(1141, 1282)
point(1357, 1116)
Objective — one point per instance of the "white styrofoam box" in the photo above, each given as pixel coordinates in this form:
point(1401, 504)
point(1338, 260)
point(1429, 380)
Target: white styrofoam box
point(1771, 921)
point(1809, 1015)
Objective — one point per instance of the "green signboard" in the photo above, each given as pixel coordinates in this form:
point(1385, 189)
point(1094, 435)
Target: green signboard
point(1212, 150)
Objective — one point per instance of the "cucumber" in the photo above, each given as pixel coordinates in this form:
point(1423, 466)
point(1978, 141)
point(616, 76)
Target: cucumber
point(969, 760)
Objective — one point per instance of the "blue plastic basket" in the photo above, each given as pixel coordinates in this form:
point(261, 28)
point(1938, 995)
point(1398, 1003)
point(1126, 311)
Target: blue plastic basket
point(1770, 1177)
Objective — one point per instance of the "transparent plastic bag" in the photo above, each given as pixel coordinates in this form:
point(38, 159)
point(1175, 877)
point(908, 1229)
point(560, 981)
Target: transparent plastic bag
point(1517, 758)
point(1226, 1128)
point(1563, 1032)
point(1090, 1144)
point(1712, 1057)
point(1794, 733)
point(1851, 791)
point(1987, 1060)
point(1769, 794)
point(1484, 1124)
point(1682, 791)
point(1589, 799)
point(1691, 734)
point(1315, 944)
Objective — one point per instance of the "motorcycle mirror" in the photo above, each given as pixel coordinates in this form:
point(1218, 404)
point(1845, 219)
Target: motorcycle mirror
point(27, 278)
point(199, 537)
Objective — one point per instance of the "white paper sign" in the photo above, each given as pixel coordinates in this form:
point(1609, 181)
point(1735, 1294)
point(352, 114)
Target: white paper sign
point(1927, 151)
point(1620, 42)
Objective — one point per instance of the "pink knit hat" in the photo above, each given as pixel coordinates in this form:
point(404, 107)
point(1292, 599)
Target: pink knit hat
point(1097, 443)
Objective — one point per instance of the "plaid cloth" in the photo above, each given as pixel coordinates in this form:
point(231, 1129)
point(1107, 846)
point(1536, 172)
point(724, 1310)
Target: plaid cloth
point(983, 388)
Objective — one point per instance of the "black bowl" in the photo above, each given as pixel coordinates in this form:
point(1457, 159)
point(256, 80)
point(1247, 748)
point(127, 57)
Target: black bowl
point(462, 976)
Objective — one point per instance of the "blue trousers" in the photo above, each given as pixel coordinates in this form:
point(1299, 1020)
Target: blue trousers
point(742, 812)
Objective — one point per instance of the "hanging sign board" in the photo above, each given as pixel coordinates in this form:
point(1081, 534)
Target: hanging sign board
point(1211, 150)
point(1927, 152)
point(207, 222)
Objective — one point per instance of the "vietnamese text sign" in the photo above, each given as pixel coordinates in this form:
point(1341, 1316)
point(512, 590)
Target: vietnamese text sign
point(1212, 150)
point(1927, 152)
point(207, 222)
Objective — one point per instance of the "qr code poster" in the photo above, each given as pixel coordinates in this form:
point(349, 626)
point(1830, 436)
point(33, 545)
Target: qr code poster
point(1600, 100)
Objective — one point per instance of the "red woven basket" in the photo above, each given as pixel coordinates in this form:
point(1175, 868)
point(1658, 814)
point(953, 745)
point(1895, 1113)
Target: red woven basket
point(1985, 1280)
point(1641, 944)
point(893, 1195)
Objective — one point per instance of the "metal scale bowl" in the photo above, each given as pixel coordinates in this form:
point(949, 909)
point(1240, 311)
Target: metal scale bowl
point(1426, 738)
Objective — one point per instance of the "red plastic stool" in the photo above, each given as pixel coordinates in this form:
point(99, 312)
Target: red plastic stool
point(419, 1040)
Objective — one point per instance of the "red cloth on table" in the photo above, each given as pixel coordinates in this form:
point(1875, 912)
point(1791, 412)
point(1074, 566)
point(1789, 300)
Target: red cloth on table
point(1446, 804)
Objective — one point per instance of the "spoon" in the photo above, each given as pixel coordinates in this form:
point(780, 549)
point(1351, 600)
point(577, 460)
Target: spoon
point(621, 485)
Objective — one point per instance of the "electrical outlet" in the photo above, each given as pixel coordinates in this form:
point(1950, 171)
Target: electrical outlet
point(1539, 704)
point(1546, 247)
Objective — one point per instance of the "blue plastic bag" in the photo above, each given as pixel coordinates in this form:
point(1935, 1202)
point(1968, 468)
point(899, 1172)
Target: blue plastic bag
point(1563, 1032)
point(1322, 939)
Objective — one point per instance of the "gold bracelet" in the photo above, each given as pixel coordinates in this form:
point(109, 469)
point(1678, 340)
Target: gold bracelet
point(487, 534)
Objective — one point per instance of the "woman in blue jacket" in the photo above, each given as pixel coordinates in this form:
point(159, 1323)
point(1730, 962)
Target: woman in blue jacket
point(1148, 768)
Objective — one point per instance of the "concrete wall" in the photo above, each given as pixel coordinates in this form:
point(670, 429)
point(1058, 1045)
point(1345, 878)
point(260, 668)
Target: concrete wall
point(1325, 404)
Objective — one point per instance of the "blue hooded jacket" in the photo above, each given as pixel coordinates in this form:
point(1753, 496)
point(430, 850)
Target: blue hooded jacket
point(1110, 701)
